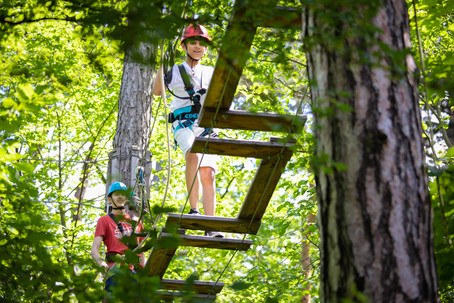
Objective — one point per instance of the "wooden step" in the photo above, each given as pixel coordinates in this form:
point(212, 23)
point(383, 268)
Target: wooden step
point(222, 224)
point(239, 148)
point(212, 242)
point(262, 188)
point(234, 119)
point(158, 261)
point(160, 257)
point(200, 287)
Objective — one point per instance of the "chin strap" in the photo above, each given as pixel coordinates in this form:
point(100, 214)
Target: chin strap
point(121, 207)
point(187, 54)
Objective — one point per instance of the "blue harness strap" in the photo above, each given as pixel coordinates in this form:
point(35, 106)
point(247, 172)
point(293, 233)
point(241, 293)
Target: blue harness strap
point(187, 115)
point(184, 124)
point(183, 113)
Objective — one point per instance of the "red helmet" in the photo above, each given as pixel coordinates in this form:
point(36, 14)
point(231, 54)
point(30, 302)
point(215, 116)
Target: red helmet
point(195, 31)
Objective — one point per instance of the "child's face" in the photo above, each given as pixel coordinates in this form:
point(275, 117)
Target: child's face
point(119, 198)
point(195, 47)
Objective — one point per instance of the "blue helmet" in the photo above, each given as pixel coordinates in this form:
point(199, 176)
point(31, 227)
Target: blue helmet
point(116, 186)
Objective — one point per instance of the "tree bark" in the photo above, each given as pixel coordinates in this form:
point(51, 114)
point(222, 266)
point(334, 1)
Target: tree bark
point(374, 208)
point(134, 119)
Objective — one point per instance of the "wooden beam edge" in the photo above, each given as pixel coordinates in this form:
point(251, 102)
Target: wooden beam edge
point(199, 286)
point(235, 119)
point(209, 223)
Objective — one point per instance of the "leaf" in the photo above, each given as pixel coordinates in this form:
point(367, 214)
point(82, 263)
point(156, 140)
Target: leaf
point(450, 152)
point(435, 171)
point(25, 91)
point(25, 167)
point(9, 102)
point(240, 285)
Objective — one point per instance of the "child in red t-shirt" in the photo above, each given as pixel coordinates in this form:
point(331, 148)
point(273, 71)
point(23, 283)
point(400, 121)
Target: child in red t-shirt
point(108, 232)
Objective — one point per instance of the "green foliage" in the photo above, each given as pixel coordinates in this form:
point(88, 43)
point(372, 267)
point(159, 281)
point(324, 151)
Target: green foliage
point(433, 41)
point(59, 82)
point(443, 205)
point(50, 111)
point(134, 287)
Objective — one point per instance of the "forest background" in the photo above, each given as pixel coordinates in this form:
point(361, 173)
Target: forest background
point(60, 81)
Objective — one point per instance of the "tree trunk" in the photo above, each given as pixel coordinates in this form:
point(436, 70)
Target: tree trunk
point(375, 213)
point(134, 119)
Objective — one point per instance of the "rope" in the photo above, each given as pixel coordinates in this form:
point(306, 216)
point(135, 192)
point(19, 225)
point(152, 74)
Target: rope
point(195, 176)
point(169, 157)
point(212, 125)
point(164, 99)
point(250, 221)
point(204, 150)
point(279, 155)
point(426, 103)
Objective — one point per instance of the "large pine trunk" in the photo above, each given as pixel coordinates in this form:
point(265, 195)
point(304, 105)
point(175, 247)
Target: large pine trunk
point(374, 207)
point(130, 146)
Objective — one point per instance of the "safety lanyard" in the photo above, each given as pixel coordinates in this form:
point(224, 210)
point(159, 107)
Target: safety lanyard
point(120, 227)
point(188, 86)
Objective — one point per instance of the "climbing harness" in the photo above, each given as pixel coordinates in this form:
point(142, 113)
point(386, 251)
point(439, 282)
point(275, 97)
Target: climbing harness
point(120, 227)
point(187, 115)
point(132, 243)
point(189, 88)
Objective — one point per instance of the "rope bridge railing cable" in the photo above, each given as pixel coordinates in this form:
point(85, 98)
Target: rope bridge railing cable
point(195, 176)
point(279, 155)
point(250, 222)
point(169, 158)
point(164, 99)
point(204, 150)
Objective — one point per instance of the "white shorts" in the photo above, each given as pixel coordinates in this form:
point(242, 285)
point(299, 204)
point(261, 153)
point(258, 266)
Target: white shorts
point(185, 138)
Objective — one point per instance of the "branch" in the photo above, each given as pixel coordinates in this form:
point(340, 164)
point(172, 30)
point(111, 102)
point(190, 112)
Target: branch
point(5, 21)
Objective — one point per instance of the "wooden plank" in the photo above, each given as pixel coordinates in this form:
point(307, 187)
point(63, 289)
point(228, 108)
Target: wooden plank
point(200, 287)
point(282, 17)
point(237, 148)
point(160, 258)
point(213, 242)
point(170, 296)
point(252, 121)
point(232, 57)
point(222, 224)
point(158, 261)
point(263, 186)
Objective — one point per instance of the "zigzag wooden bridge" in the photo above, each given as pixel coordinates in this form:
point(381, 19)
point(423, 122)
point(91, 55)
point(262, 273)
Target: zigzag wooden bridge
point(273, 155)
